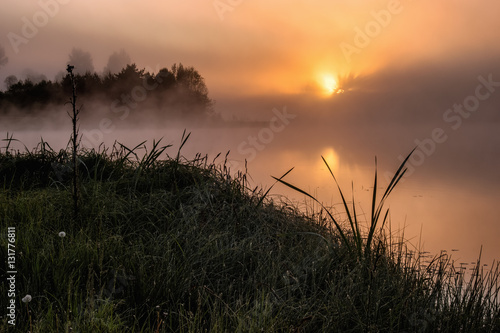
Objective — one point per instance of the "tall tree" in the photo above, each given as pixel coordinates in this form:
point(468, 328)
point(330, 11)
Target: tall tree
point(191, 85)
point(128, 78)
point(116, 62)
point(10, 81)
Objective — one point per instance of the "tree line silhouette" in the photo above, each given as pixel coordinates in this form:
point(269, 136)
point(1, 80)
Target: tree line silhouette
point(178, 91)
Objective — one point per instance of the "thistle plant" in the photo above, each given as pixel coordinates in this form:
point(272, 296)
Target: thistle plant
point(61, 235)
point(26, 299)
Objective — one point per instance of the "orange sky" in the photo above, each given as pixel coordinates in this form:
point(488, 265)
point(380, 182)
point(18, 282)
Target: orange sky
point(256, 46)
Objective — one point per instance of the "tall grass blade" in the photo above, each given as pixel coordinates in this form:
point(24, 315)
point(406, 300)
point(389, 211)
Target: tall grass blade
point(346, 207)
point(357, 234)
point(394, 181)
point(130, 151)
point(149, 159)
point(376, 212)
point(9, 141)
point(374, 198)
point(269, 189)
point(184, 139)
point(337, 225)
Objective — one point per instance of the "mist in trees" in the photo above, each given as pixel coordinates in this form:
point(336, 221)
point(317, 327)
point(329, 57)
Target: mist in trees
point(82, 61)
point(10, 81)
point(178, 92)
point(116, 62)
point(34, 76)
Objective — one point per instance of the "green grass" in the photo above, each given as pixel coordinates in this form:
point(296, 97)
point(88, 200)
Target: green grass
point(165, 244)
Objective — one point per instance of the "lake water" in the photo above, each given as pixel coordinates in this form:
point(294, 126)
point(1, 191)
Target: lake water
point(448, 200)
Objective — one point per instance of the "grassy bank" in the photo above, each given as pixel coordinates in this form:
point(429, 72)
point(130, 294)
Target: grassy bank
point(165, 244)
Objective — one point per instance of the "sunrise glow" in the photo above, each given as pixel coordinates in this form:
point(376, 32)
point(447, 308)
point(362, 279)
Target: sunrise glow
point(330, 84)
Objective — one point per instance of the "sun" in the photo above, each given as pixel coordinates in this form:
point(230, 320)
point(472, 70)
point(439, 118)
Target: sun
point(329, 83)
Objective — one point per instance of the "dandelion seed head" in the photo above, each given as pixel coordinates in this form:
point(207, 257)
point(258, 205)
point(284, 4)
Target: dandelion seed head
point(26, 299)
point(62, 234)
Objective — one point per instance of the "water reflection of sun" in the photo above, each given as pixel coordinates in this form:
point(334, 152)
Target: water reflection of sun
point(332, 158)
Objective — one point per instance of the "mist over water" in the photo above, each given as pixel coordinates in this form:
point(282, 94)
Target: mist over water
point(449, 200)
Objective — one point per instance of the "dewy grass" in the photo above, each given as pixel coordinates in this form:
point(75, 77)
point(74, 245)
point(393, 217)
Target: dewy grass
point(167, 244)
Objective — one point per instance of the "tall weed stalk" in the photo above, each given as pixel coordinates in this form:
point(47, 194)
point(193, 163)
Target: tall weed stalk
point(74, 141)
